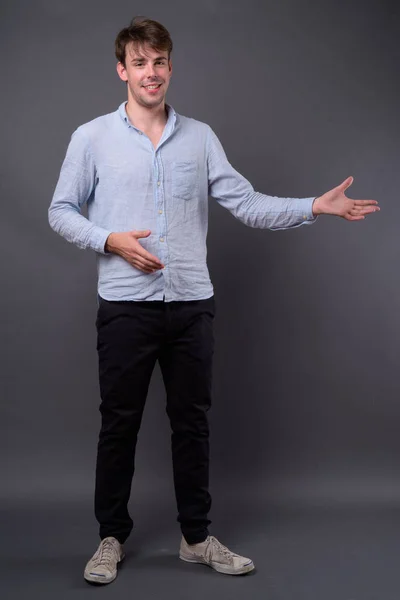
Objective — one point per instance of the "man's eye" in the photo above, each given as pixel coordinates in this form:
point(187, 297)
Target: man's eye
point(158, 62)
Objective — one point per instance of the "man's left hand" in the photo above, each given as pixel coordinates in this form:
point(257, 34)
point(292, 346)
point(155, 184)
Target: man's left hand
point(335, 202)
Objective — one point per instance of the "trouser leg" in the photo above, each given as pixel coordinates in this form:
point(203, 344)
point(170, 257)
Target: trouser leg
point(186, 366)
point(129, 335)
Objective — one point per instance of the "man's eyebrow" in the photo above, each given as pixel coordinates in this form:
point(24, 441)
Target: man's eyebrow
point(141, 59)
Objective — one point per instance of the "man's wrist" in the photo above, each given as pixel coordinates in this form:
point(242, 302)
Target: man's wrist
point(109, 245)
point(316, 209)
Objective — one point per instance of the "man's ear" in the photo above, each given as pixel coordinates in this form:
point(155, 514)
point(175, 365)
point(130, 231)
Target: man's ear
point(121, 71)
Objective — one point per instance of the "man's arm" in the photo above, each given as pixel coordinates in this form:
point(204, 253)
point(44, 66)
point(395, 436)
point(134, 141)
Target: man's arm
point(254, 209)
point(75, 185)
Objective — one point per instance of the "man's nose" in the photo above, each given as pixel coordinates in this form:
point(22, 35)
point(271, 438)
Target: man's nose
point(150, 71)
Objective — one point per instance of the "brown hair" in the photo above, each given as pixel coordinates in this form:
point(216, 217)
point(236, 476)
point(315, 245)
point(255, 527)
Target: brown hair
point(140, 31)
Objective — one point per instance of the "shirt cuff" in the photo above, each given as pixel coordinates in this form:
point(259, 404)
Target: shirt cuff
point(100, 241)
point(305, 208)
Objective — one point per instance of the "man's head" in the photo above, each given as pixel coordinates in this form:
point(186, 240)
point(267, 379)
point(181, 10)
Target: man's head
point(144, 51)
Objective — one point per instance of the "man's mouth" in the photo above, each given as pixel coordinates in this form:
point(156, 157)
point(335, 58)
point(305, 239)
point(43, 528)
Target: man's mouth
point(153, 87)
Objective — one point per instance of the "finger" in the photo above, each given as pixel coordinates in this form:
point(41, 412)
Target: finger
point(351, 218)
point(345, 184)
point(141, 267)
point(367, 210)
point(145, 265)
point(149, 265)
point(355, 212)
point(144, 269)
point(141, 233)
point(358, 209)
point(153, 260)
point(365, 202)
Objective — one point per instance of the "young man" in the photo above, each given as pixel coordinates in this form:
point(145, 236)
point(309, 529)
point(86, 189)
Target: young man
point(146, 174)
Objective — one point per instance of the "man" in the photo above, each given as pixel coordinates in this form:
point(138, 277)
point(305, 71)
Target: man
point(145, 173)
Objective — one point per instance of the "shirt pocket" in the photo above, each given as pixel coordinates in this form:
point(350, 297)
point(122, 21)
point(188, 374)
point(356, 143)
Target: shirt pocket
point(185, 179)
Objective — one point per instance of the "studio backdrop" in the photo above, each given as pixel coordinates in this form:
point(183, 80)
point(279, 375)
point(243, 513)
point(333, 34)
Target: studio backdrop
point(306, 376)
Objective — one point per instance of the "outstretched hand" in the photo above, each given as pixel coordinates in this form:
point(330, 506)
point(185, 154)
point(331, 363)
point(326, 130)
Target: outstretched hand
point(335, 202)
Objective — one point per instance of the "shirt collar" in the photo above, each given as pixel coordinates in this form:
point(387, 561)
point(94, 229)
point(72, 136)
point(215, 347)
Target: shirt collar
point(172, 116)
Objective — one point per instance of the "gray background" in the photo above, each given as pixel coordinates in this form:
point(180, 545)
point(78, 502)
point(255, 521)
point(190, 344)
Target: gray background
point(305, 419)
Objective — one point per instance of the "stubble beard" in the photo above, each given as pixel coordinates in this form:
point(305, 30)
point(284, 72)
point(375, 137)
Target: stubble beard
point(140, 99)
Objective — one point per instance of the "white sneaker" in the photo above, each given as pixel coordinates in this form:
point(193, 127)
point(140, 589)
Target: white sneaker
point(212, 553)
point(102, 567)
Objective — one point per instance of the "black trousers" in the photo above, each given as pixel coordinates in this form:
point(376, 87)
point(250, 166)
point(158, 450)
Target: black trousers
point(131, 336)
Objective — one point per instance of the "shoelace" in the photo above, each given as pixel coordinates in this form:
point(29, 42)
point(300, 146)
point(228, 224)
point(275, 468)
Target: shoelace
point(220, 547)
point(107, 551)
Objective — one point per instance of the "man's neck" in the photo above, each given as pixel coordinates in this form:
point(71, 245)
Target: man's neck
point(146, 119)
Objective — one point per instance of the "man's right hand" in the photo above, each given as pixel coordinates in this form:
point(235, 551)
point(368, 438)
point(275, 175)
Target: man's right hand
point(126, 244)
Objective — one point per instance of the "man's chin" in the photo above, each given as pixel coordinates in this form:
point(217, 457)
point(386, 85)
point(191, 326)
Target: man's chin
point(151, 102)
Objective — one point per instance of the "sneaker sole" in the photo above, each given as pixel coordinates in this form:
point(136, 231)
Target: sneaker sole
point(101, 580)
point(221, 568)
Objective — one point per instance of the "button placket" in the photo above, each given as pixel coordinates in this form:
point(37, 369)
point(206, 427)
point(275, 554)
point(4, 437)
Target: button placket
point(160, 200)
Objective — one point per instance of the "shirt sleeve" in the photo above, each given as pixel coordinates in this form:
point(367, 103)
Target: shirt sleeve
point(76, 184)
point(254, 209)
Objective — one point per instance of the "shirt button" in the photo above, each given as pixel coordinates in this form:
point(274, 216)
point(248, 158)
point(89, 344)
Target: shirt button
point(305, 217)
point(160, 212)
point(158, 182)
point(161, 239)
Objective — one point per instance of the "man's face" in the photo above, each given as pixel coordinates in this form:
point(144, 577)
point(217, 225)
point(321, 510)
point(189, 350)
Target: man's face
point(147, 72)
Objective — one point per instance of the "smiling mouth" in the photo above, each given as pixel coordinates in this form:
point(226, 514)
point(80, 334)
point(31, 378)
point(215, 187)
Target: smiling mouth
point(152, 88)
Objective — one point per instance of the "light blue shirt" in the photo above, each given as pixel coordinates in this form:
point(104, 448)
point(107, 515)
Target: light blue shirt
point(128, 184)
